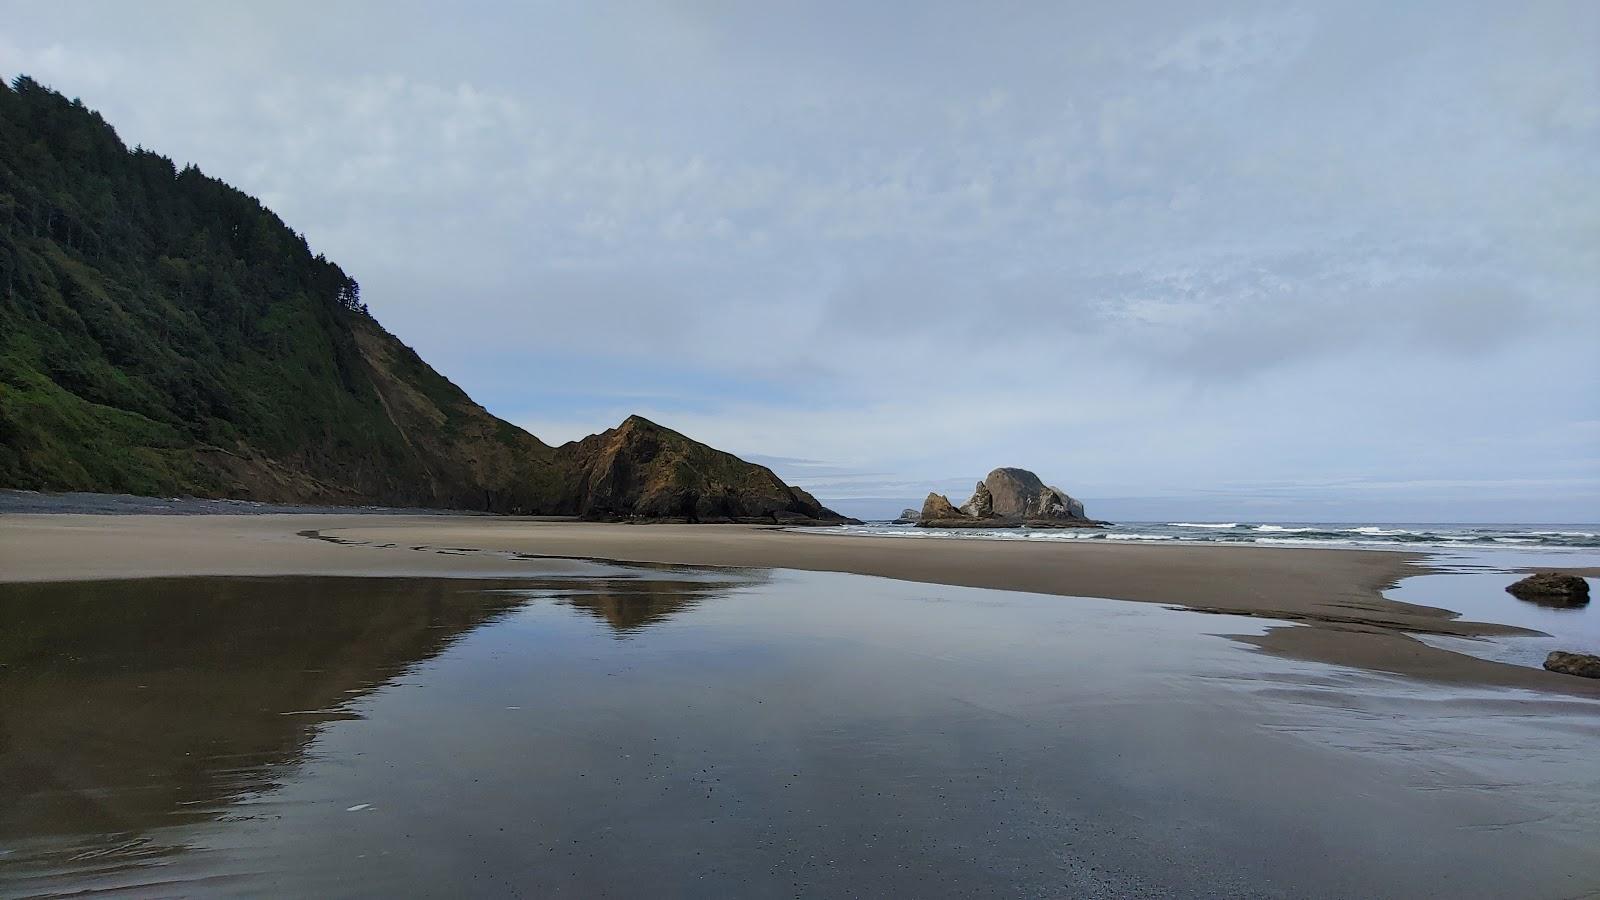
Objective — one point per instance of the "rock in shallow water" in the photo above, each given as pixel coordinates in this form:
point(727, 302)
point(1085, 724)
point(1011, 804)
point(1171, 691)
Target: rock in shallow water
point(1552, 586)
point(1584, 665)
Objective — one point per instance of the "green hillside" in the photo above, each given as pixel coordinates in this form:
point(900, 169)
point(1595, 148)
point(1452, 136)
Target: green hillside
point(163, 333)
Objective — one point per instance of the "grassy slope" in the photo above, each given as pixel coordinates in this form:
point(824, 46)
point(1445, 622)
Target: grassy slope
point(163, 333)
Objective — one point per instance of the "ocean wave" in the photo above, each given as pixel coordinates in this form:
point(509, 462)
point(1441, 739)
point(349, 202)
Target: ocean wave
point(1508, 538)
point(1307, 542)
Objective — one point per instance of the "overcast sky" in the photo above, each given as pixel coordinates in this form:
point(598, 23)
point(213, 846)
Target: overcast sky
point(1267, 261)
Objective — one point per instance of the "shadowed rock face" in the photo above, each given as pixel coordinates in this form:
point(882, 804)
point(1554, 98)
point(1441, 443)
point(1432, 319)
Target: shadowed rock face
point(641, 470)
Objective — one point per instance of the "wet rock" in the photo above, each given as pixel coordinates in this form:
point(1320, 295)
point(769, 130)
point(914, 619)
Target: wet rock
point(1552, 588)
point(907, 516)
point(1583, 665)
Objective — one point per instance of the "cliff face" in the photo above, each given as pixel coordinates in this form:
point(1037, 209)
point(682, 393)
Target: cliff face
point(163, 333)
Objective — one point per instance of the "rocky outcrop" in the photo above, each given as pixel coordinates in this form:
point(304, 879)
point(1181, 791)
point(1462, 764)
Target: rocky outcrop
point(908, 516)
point(1552, 588)
point(1020, 494)
point(939, 508)
point(981, 506)
point(1583, 665)
point(1008, 498)
point(643, 471)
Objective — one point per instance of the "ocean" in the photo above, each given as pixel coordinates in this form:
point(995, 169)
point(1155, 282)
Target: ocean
point(1401, 536)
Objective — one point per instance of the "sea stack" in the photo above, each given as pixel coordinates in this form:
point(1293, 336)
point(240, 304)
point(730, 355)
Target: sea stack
point(1008, 498)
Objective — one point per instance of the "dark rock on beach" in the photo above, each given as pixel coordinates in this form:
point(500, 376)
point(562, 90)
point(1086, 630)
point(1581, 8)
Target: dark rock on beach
point(1552, 588)
point(1583, 665)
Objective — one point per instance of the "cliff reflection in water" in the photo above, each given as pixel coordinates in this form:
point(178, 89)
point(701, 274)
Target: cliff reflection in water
point(630, 606)
point(129, 705)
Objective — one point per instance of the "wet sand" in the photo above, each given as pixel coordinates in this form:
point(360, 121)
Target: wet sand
point(631, 731)
point(1338, 592)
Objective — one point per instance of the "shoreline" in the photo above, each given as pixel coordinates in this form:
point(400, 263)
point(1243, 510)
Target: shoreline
point(1337, 592)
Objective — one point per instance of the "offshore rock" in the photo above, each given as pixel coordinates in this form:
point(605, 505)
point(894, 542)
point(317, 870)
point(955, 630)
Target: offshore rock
point(1008, 498)
point(981, 506)
point(1020, 494)
point(938, 507)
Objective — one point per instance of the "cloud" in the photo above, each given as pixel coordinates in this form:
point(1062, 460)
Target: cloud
point(1150, 246)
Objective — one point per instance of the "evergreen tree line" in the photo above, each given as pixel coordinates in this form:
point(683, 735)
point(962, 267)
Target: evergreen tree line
point(145, 309)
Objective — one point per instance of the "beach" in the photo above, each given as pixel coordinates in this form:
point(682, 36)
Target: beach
point(348, 703)
point(1337, 592)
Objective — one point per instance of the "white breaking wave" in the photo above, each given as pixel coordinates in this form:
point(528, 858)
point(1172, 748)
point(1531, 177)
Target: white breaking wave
point(1582, 539)
point(1308, 542)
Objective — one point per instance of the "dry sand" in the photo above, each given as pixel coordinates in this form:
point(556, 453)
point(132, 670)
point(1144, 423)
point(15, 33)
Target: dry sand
point(1338, 592)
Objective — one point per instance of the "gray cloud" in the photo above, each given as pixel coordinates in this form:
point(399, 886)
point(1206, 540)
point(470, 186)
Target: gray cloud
point(1156, 247)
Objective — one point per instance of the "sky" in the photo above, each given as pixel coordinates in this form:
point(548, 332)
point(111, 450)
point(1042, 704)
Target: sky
point(1271, 261)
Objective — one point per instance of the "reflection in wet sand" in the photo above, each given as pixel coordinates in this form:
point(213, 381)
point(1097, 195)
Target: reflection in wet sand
point(132, 704)
point(756, 733)
point(629, 606)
